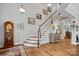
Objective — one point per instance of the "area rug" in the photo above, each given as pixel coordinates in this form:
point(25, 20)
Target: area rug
point(14, 51)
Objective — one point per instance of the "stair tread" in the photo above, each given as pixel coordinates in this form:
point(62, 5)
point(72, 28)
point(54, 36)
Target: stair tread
point(30, 42)
point(41, 34)
point(44, 30)
point(30, 45)
point(32, 39)
point(33, 36)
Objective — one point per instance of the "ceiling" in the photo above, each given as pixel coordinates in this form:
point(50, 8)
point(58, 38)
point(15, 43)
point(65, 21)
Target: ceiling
point(66, 14)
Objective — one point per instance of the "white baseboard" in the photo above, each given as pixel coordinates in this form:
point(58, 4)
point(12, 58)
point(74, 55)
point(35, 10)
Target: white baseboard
point(74, 43)
point(44, 42)
point(1, 46)
point(17, 43)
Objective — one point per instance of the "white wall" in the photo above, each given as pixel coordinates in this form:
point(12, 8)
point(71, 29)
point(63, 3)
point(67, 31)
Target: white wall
point(74, 33)
point(74, 10)
point(10, 12)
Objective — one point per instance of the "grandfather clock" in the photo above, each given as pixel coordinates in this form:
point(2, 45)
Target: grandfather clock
point(8, 34)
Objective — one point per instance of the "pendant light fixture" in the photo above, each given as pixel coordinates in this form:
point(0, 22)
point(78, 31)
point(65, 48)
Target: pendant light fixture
point(21, 9)
point(48, 5)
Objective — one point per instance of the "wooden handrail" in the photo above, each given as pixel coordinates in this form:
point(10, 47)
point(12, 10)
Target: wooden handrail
point(39, 31)
point(48, 18)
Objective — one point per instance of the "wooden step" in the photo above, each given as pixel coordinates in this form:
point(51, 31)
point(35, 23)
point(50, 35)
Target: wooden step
point(30, 45)
point(29, 42)
point(44, 30)
point(33, 39)
point(41, 34)
point(35, 36)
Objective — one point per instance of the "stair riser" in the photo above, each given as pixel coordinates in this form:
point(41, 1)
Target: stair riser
point(29, 41)
point(33, 39)
point(46, 29)
point(43, 33)
point(30, 45)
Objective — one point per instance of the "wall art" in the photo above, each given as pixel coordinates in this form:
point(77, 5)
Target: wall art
point(31, 20)
point(45, 12)
point(20, 26)
point(49, 9)
point(38, 16)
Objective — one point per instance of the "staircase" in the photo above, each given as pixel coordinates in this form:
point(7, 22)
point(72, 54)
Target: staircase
point(35, 40)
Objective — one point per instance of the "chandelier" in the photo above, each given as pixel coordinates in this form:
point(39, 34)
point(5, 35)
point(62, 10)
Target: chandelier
point(48, 5)
point(21, 9)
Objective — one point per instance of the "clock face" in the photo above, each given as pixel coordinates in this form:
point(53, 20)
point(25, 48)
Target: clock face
point(8, 26)
point(8, 31)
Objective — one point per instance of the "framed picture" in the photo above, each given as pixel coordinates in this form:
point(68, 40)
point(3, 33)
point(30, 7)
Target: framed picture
point(45, 12)
point(49, 9)
point(38, 16)
point(20, 26)
point(31, 20)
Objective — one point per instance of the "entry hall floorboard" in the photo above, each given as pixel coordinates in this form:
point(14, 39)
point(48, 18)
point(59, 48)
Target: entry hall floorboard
point(62, 48)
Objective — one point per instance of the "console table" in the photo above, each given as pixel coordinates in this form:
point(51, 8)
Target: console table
point(54, 37)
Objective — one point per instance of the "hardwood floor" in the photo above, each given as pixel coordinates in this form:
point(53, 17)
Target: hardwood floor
point(62, 48)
